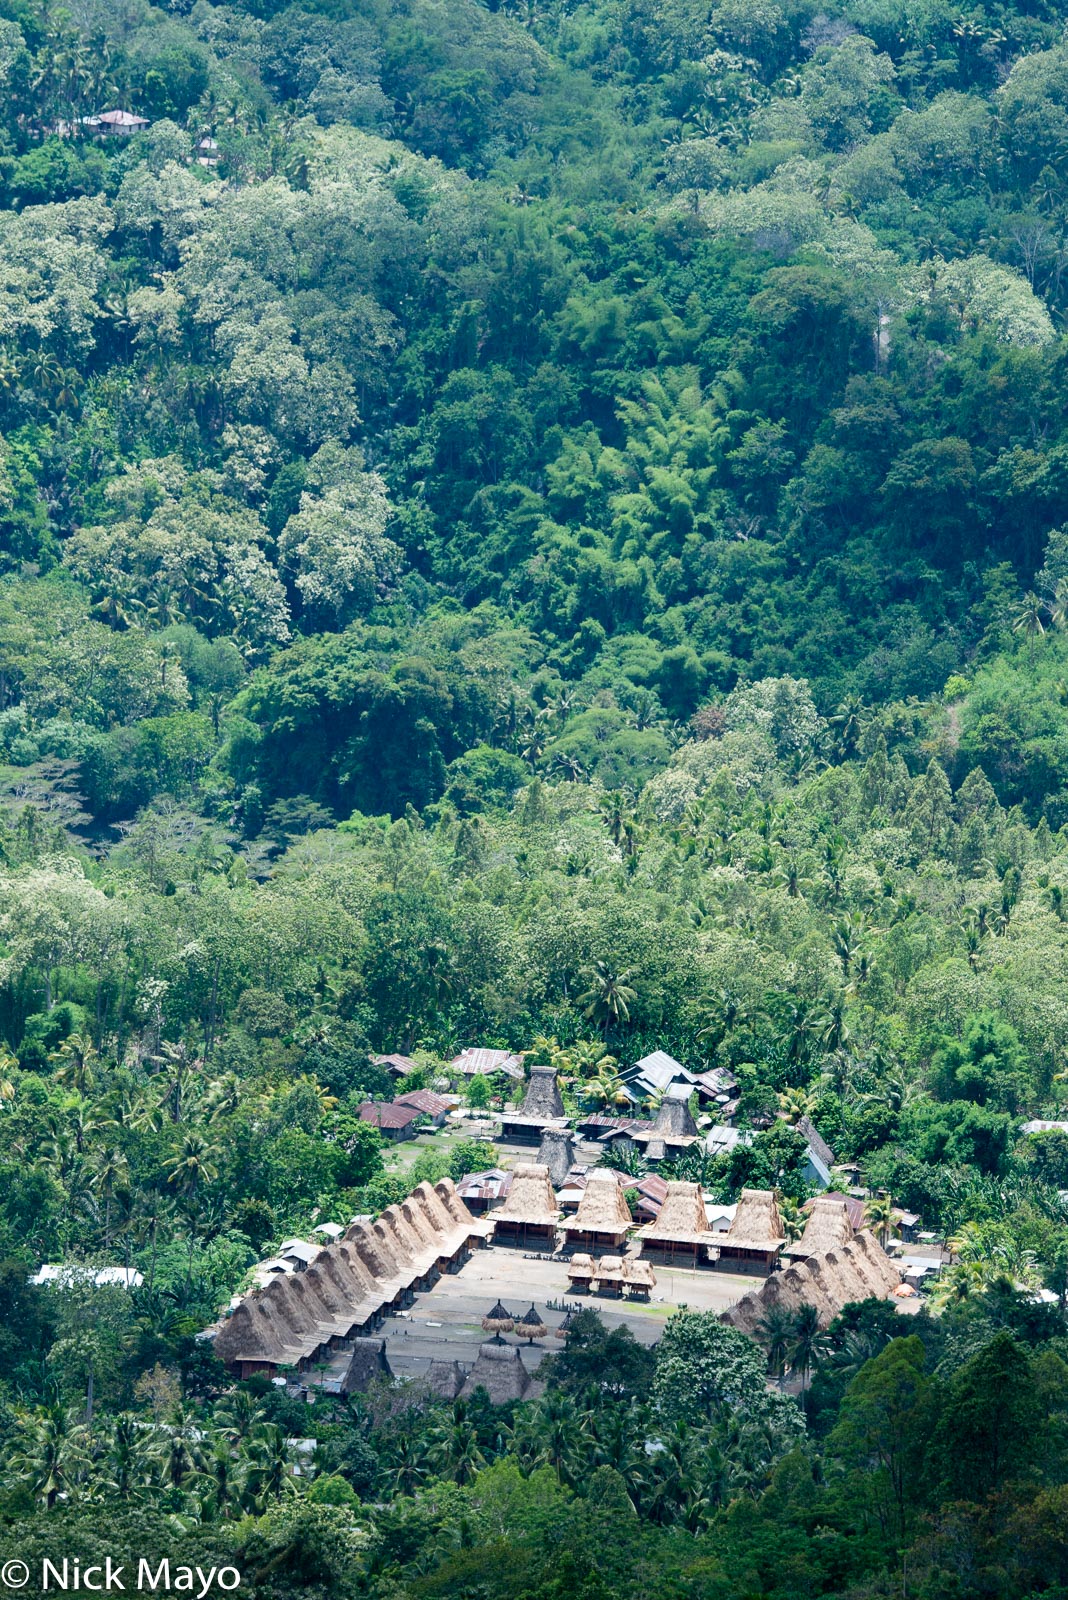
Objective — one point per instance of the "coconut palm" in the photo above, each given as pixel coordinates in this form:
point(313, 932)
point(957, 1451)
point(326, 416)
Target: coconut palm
point(879, 1215)
point(48, 1453)
point(797, 1103)
point(775, 1333)
point(1028, 619)
point(454, 1451)
point(807, 1341)
point(608, 999)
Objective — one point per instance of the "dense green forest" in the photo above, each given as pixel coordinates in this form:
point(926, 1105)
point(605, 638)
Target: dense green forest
point(540, 525)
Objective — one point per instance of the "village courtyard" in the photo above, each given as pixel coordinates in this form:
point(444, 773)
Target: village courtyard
point(445, 1322)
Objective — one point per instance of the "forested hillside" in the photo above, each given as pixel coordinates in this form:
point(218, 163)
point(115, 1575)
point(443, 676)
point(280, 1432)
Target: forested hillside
point(540, 526)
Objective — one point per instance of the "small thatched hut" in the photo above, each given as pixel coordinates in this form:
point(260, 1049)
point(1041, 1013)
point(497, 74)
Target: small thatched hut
point(755, 1236)
point(530, 1214)
point(500, 1371)
point(609, 1275)
point(603, 1219)
point(557, 1152)
point(368, 1364)
point(681, 1231)
point(828, 1228)
point(580, 1271)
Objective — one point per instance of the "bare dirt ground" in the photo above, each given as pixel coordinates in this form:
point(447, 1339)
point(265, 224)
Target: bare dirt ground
point(445, 1324)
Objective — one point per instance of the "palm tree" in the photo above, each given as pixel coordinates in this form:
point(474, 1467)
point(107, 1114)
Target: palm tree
point(192, 1167)
point(879, 1214)
point(75, 1063)
point(795, 1104)
point(454, 1448)
point(128, 1463)
point(48, 1453)
point(1027, 618)
point(807, 1341)
point(608, 999)
point(112, 1173)
point(775, 1333)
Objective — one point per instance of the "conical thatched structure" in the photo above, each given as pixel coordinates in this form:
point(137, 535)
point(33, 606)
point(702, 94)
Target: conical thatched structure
point(857, 1270)
point(681, 1229)
point(828, 1228)
point(542, 1107)
point(530, 1326)
point(498, 1321)
point(557, 1152)
point(445, 1378)
point(500, 1371)
point(530, 1213)
point(639, 1279)
point(755, 1236)
point(602, 1220)
point(351, 1284)
point(367, 1364)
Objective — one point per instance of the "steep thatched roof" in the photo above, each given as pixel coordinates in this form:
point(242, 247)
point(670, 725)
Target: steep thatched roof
point(557, 1152)
point(757, 1224)
point(445, 1378)
point(367, 1363)
point(349, 1281)
point(530, 1199)
point(828, 1228)
point(500, 1371)
point(674, 1118)
point(543, 1097)
point(602, 1208)
point(858, 1270)
point(681, 1219)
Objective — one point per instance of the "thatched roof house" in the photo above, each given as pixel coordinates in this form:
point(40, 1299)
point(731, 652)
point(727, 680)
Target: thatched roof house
point(681, 1227)
point(603, 1219)
point(445, 1378)
point(755, 1236)
point(858, 1270)
point(530, 1214)
point(351, 1284)
point(828, 1228)
point(500, 1371)
point(557, 1152)
point(542, 1106)
point(368, 1364)
point(674, 1128)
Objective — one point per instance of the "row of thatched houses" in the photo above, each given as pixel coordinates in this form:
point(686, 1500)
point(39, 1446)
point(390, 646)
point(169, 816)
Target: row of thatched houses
point(345, 1292)
point(531, 1217)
